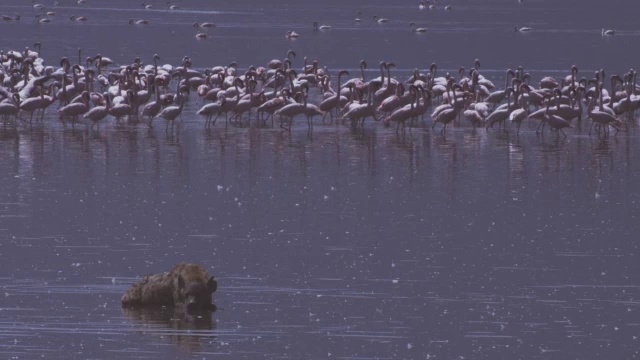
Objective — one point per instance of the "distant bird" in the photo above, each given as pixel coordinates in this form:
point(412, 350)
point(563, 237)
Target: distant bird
point(42, 20)
point(316, 26)
point(199, 34)
point(522, 29)
point(10, 18)
point(608, 32)
point(448, 7)
point(78, 18)
point(418, 30)
point(358, 15)
point(138, 22)
point(207, 25)
point(380, 20)
point(292, 35)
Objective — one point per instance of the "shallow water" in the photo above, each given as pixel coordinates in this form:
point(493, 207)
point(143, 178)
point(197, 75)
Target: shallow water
point(343, 243)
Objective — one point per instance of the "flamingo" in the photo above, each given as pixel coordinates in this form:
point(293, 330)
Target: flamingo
point(42, 20)
point(608, 32)
point(230, 103)
point(271, 106)
point(523, 29)
point(97, 113)
point(138, 22)
point(10, 108)
point(362, 111)
point(317, 27)
point(386, 91)
point(555, 121)
point(208, 110)
point(292, 34)
point(329, 104)
point(206, 25)
point(170, 113)
point(357, 82)
point(33, 104)
point(517, 116)
point(73, 110)
point(123, 108)
point(601, 116)
point(78, 18)
point(501, 114)
point(498, 96)
point(151, 109)
point(278, 64)
point(402, 114)
point(244, 105)
point(417, 30)
point(287, 112)
point(424, 105)
point(380, 20)
point(394, 101)
point(310, 110)
point(448, 115)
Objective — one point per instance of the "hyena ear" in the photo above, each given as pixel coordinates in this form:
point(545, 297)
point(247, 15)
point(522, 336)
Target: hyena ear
point(212, 284)
point(180, 282)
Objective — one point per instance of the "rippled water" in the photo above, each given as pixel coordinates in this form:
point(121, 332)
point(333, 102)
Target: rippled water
point(343, 243)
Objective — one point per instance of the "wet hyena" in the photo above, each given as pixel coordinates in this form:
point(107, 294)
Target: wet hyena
point(186, 285)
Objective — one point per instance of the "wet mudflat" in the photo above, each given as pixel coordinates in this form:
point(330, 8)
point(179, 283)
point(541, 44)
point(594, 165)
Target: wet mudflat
point(343, 243)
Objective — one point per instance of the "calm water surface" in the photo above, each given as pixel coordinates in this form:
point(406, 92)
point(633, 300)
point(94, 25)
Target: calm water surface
point(344, 243)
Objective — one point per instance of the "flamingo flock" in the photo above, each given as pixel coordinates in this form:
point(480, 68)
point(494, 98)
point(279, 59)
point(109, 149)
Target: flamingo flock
point(92, 91)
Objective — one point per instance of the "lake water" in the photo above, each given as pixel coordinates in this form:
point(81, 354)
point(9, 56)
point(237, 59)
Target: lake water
point(342, 243)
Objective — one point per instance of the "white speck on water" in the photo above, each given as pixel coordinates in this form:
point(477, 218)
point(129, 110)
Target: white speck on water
point(409, 346)
point(326, 197)
point(220, 187)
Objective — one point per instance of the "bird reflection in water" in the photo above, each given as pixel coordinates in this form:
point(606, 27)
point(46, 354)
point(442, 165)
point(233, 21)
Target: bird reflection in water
point(188, 330)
